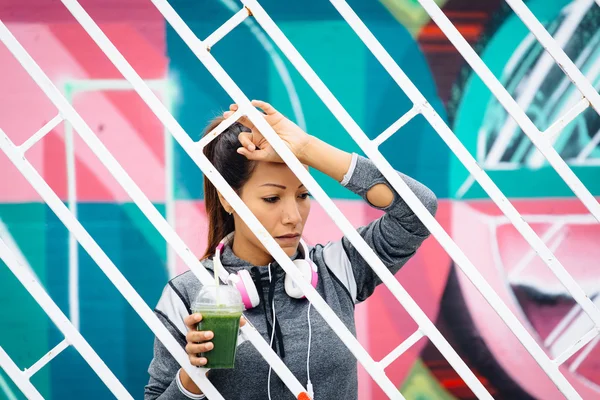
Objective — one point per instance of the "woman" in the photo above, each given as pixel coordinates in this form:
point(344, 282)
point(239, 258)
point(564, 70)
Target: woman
point(281, 203)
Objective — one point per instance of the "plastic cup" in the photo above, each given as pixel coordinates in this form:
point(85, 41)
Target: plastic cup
point(222, 317)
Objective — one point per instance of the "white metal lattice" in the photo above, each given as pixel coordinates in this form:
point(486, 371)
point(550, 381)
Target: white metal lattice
point(426, 328)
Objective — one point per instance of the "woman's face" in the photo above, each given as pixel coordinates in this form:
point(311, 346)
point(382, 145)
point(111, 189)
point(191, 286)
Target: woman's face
point(280, 202)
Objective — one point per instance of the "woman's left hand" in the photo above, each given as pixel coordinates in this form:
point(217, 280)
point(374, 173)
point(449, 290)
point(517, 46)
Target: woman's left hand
point(255, 147)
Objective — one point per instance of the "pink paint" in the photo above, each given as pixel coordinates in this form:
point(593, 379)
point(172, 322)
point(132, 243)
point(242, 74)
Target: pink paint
point(192, 226)
point(24, 111)
point(28, 109)
point(475, 238)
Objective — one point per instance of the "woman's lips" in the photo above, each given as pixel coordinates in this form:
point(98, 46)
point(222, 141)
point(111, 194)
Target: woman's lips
point(288, 239)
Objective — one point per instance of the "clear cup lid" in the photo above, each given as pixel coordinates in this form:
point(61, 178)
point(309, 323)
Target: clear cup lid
point(225, 298)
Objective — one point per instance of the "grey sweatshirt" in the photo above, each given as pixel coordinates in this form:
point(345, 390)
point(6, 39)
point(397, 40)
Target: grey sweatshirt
point(344, 280)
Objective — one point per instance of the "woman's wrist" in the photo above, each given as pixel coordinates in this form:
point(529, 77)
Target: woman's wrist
point(325, 158)
point(188, 383)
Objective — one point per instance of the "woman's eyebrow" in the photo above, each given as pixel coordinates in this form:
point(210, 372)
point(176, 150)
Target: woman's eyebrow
point(279, 186)
point(275, 185)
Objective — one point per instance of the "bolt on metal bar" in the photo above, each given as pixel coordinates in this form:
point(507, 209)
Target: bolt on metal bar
point(29, 372)
point(14, 373)
point(51, 309)
point(46, 129)
point(395, 127)
point(398, 351)
point(575, 347)
point(227, 27)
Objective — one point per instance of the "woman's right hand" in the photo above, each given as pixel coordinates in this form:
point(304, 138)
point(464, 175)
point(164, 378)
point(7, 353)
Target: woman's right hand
point(197, 341)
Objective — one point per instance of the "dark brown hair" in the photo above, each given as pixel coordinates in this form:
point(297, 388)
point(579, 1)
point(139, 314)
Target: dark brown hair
point(235, 169)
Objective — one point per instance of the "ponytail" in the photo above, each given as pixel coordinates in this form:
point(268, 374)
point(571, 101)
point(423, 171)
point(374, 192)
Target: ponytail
point(235, 169)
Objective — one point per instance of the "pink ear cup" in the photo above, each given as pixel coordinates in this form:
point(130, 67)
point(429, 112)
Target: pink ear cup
point(245, 285)
point(247, 290)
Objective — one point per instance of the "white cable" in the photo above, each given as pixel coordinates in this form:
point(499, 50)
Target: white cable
point(309, 385)
point(272, 336)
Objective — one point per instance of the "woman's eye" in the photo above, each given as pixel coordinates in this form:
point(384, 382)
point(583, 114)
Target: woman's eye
point(305, 196)
point(271, 199)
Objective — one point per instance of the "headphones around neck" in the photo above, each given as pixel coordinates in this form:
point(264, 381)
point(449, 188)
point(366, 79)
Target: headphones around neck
point(245, 285)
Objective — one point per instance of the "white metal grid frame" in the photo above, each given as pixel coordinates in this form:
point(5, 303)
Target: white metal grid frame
point(201, 51)
point(72, 88)
point(425, 327)
point(16, 155)
point(97, 254)
point(71, 334)
point(421, 106)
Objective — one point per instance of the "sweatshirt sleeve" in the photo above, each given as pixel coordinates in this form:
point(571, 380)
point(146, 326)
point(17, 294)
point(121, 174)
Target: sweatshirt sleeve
point(395, 236)
point(164, 383)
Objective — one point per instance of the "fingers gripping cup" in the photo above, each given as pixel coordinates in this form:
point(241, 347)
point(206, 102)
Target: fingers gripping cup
point(221, 308)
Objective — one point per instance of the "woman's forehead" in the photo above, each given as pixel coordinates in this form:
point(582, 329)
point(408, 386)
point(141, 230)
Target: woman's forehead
point(278, 173)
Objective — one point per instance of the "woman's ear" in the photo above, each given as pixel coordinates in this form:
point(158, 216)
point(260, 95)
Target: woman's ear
point(225, 204)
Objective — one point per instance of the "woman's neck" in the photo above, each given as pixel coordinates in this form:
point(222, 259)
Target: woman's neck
point(245, 250)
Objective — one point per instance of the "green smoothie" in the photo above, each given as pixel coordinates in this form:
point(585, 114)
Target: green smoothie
point(225, 326)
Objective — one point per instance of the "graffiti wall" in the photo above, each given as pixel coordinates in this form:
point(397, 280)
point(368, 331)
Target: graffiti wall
point(173, 183)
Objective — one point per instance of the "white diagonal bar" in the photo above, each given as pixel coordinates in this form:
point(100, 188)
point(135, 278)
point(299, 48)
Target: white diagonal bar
point(561, 58)
point(226, 123)
point(554, 130)
point(14, 247)
point(49, 356)
point(113, 274)
point(560, 327)
point(538, 73)
point(403, 120)
point(531, 254)
point(14, 373)
point(513, 108)
point(584, 354)
point(51, 309)
point(138, 196)
point(433, 226)
point(10, 395)
point(227, 27)
point(587, 150)
point(575, 347)
point(398, 351)
point(46, 129)
point(282, 69)
point(210, 172)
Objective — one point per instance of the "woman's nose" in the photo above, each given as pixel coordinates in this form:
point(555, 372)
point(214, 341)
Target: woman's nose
point(291, 214)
